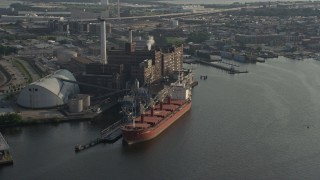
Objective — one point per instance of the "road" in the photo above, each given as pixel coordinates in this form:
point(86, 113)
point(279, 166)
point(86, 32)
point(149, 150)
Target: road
point(170, 15)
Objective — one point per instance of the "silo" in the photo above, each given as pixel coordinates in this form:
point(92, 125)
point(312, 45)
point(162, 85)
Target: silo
point(86, 101)
point(75, 105)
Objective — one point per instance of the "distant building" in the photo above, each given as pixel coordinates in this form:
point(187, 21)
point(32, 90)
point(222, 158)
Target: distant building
point(260, 39)
point(28, 18)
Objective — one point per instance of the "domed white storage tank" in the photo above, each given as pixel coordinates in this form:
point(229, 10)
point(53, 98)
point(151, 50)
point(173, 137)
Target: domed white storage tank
point(49, 91)
point(66, 54)
point(75, 105)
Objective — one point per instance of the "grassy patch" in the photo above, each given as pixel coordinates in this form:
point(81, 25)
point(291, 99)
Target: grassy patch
point(23, 69)
point(175, 40)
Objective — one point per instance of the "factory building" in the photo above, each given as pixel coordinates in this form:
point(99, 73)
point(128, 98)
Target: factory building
point(147, 66)
point(104, 75)
point(49, 91)
point(131, 58)
point(76, 65)
point(117, 68)
point(172, 60)
point(164, 62)
point(143, 72)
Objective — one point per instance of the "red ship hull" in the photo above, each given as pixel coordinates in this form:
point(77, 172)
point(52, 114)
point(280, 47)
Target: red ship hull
point(144, 133)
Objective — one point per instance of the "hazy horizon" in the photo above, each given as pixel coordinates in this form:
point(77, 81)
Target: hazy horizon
point(6, 3)
point(220, 1)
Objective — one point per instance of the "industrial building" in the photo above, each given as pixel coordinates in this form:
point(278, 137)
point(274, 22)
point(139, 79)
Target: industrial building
point(103, 75)
point(49, 92)
point(118, 68)
point(147, 66)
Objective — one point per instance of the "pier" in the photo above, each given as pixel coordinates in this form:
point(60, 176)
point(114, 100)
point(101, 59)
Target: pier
point(112, 133)
point(230, 68)
point(108, 135)
point(5, 156)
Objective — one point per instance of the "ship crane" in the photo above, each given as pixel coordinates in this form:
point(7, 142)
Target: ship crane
point(150, 104)
point(165, 92)
point(147, 127)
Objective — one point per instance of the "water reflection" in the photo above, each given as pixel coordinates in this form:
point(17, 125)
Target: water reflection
point(14, 131)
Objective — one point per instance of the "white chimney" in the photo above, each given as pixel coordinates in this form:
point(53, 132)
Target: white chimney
point(103, 43)
point(150, 42)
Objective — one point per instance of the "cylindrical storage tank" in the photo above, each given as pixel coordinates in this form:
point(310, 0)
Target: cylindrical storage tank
point(175, 23)
point(86, 101)
point(75, 105)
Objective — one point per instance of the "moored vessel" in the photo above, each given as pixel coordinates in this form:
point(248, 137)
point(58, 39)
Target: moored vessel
point(168, 106)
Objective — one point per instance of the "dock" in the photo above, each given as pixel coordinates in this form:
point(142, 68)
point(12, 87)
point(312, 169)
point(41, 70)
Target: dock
point(108, 135)
point(113, 136)
point(229, 68)
point(5, 156)
point(80, 147)
point(112, 133)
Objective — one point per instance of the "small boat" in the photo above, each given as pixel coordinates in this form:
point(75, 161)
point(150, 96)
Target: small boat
point(78, 147)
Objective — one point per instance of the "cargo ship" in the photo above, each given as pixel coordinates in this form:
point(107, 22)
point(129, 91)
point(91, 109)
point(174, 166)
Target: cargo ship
point(168, 106)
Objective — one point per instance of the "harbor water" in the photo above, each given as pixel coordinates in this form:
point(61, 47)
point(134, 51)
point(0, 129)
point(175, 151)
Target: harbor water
point(260, 125)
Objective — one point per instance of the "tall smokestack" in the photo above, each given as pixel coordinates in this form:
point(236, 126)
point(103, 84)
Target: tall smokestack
point(130, 36)
point(103, 43)
point(118, 9)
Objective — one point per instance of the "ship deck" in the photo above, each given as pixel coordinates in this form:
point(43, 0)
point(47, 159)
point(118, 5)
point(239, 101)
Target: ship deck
point(136, 126)
point(148, 119)
point(162, 113)
point(177, 102)
point(167, 107)
point(158, 115)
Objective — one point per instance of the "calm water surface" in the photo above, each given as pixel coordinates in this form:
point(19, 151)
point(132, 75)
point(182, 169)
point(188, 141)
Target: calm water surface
point(248, 126)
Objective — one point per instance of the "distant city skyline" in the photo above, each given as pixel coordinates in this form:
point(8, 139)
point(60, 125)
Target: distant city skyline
point(219, 1)
point(6, 3)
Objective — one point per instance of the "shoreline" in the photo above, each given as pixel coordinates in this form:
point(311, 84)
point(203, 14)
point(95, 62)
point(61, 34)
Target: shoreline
point(57, 120)
point(31, 122)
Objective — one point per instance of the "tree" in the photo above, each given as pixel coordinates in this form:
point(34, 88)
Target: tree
point(198, 37)
point(7, 50)
point(8, 119)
